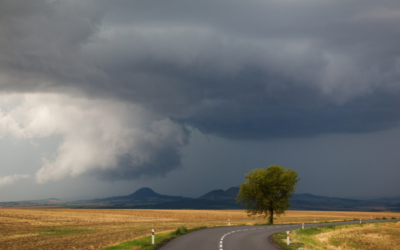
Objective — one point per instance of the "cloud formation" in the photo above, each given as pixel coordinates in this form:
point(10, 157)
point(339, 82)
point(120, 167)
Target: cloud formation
point(245, 71)
point(113, 140)
point(10, 179)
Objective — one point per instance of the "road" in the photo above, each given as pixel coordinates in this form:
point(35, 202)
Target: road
point(239, 237)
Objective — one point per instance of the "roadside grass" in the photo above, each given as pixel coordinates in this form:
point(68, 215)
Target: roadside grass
point(383, 236)
point(300, 238)
point(159, 240)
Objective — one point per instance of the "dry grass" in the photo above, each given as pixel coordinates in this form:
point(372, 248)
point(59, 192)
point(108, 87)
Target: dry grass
point(372, 236)
point(383, 236)
point(96, 229)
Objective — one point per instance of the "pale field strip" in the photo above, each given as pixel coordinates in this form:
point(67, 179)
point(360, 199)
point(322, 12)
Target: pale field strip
point(382, 236)
point(31, 228)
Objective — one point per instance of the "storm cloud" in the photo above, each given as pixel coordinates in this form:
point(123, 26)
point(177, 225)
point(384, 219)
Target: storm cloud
point(128, 80)
point(96, 136)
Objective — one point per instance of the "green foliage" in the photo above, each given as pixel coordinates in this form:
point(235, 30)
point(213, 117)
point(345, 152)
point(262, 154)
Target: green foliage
point(303, 237)
point(377, 218)
point(144, 243)
point(394, 218)
point(181, 230)
point(310, 231)
point(280, 239)
point(384, 218)
point(267, 191)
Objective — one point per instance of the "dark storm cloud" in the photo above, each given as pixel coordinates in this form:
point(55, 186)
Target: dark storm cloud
point(159, 166)
point(259, 69)
point(243, 70)
point(277, 119)
point(40, 43)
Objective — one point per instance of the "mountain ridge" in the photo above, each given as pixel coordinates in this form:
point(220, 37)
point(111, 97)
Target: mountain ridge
point(146, 198)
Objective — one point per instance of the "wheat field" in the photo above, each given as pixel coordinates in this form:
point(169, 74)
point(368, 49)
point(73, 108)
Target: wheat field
point(56, 228)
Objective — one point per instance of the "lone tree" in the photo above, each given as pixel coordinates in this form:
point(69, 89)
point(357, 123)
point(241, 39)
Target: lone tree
point(267, 191)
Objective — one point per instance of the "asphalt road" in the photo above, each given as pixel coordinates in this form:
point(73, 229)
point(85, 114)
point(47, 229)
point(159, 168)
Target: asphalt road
point(239, 237)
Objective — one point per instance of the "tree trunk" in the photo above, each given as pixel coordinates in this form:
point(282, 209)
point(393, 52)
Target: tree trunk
point(271, 215)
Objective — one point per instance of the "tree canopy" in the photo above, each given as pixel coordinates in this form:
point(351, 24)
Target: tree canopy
point(267, 191)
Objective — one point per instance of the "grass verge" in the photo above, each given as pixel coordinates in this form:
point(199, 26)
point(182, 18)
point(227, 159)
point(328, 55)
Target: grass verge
point(384, 235)
point(159, 240)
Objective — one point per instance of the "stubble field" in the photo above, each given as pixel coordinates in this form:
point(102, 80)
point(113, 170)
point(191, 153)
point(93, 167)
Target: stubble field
point(369, 236)
point(96, 228)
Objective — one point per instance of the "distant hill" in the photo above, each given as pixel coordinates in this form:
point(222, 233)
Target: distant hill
point(146, 198)
point(216, 199)
point(33, 203)
point(388, 200)
point(193, 204)
point(315, 202)
point(220, 199)
point(142, 196)
point(230, 194)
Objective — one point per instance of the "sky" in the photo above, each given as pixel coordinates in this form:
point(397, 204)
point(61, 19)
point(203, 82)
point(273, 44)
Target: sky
point(100, 98)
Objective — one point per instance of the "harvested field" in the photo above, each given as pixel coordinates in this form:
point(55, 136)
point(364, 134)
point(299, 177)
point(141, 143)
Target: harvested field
point(382, 236)
point(97, 228)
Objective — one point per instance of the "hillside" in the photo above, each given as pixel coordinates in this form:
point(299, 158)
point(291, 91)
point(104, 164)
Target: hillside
point(315, 202)
point(33, 203)
point(146, 198)
point(141, 196)
point(230, 194)
point(220, 199)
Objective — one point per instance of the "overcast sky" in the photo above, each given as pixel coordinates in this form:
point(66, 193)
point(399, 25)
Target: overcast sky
point(99, 98)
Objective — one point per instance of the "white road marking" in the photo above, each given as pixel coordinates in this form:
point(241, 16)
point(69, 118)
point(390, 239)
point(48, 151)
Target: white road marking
point(221, 242)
